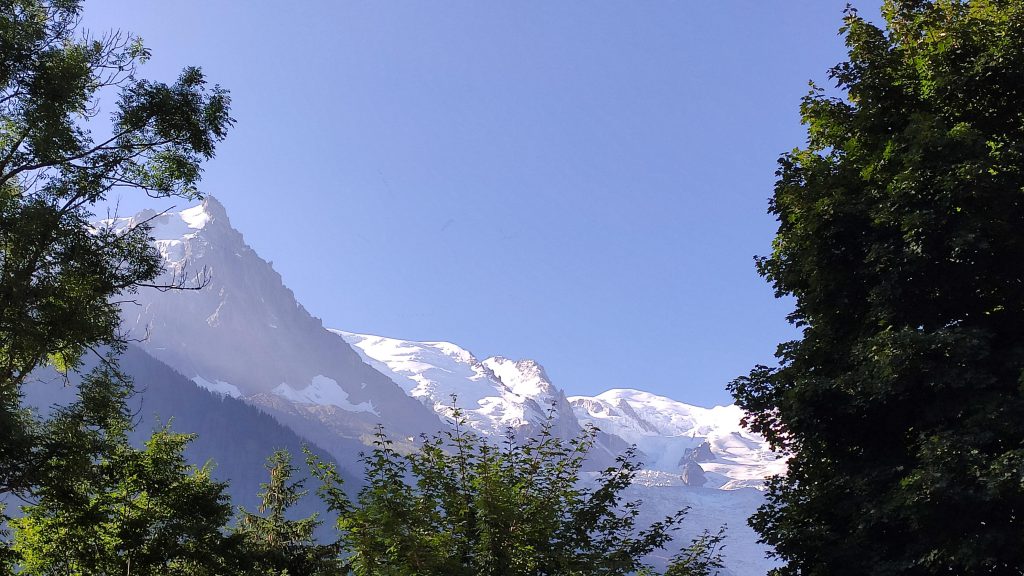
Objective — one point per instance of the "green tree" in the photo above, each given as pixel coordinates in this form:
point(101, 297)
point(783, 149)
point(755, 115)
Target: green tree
point(60, 277)
point(901, 236)
point(459, 505)
point(106, 507)
point(276, 544)
point(57, 273)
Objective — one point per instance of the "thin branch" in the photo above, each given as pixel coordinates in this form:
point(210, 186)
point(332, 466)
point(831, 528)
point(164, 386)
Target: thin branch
point(99, 147)
point(14, 150)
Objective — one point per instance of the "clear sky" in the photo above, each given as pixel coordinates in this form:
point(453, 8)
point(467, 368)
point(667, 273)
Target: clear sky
point(583, 183)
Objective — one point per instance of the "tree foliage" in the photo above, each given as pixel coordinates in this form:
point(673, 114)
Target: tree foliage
point(276, 544)
point(901, 238)
point(58, 159)
point(459, 505)
point(61, 277)
point(106, 507)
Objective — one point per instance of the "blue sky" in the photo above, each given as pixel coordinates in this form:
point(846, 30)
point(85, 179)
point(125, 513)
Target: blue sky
point(582, 183)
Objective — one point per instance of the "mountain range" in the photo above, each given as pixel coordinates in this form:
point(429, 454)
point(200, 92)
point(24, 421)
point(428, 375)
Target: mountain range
point(245, 339)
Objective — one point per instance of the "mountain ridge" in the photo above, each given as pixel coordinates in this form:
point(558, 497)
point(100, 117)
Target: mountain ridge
point(245, 335)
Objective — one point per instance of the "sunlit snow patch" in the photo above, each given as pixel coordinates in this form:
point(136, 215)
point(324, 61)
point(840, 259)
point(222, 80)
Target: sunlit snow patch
point(219, 387)
point(195, 217)
point(323, 391)
point(165, 226)
point(434, 372)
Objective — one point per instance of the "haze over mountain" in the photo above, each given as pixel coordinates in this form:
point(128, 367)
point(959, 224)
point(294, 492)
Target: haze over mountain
point(244, 335)
point(236, 436)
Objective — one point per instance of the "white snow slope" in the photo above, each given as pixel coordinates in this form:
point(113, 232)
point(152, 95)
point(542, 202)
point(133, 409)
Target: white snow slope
point(494, 394)
point(664, 429)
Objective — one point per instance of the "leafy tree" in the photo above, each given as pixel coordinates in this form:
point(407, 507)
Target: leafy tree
point(106, 507)
point(461, 506)
point(60, 277)
point(275, 543)
point(901, 238)
point(58, 273)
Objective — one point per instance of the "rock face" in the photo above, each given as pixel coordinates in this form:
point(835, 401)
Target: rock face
point(693, 474)
point(702, 453)
point(245, 335)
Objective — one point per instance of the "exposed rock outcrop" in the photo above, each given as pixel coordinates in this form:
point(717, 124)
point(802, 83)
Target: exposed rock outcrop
point(701, 453)
point(693, 474)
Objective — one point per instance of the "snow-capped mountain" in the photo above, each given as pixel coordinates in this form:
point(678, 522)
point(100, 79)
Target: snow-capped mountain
point(494, 395)
point(443, 375)
point(244, 335)
point(673, 434)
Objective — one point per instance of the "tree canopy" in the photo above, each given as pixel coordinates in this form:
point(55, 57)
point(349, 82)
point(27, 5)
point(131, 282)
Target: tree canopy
point(459, 505)
point(59, 158)
point(901, 240)
point(61, 276)
point(103, 506)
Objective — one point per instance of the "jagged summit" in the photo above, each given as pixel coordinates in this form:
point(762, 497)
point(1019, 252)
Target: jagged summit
point(244, 334)
point(215, 209)
point(495, 393)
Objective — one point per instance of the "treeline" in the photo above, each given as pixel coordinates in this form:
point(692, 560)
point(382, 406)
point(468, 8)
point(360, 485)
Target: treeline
point(456, 506)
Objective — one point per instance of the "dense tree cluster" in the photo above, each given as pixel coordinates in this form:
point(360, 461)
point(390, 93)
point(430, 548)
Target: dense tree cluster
point(103, 506)
point(901, 239)
point(459, 505)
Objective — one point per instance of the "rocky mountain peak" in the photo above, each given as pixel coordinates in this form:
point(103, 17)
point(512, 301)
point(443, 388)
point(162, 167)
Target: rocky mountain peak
point(244, 334)
point(215, 209)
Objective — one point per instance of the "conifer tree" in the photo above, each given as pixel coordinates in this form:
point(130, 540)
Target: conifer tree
point(106, 507)
point(276, 544)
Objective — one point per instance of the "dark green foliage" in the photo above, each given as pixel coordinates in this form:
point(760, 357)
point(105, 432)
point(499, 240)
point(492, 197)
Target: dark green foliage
point(461, 506)
point(275, 544)
point(59, 277)
point(105, 507)
point(901, 237)
point(236, 435)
